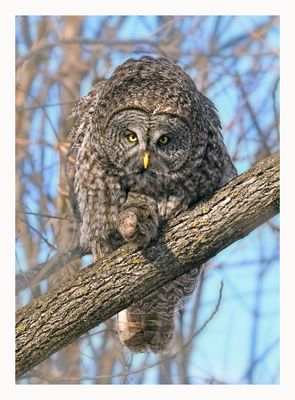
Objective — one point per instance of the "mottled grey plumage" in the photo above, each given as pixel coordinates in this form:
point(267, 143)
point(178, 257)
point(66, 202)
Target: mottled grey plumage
point(148, 146)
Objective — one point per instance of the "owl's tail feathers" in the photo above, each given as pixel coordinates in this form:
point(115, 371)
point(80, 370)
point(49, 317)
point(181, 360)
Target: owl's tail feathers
point(145, 332)
point(149, 324)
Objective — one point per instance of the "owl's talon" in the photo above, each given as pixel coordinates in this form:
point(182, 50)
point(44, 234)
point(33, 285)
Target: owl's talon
point(136, 225)
point(128, 225)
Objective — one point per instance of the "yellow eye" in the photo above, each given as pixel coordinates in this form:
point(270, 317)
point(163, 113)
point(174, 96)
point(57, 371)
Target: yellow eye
point(132, 137)
point(164, 139)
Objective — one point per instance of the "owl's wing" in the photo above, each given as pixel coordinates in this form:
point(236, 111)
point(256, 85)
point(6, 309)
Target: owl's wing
point(83, 110)
point(229, 171)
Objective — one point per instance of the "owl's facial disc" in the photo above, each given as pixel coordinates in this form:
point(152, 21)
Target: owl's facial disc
point(140, 143)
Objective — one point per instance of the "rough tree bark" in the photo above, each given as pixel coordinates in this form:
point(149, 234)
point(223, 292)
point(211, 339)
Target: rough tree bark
point(106, 287)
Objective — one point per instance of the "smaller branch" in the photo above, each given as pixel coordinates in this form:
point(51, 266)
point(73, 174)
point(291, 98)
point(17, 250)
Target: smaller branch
point(46, 269)
point(216, 308)
point(47, 216)
point(50, 245)
point(260, 358)
point(83, 41)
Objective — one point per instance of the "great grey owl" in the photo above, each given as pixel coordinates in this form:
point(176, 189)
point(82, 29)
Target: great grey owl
point(148, 145)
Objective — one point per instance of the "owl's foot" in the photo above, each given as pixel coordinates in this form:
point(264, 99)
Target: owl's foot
point(136, 229)
point(138, 224)
point(128, 225)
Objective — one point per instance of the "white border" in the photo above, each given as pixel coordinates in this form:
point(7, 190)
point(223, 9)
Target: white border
point(135, 7)
point(110, 7)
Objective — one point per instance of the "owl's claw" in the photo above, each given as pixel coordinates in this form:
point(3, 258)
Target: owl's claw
point(136, 227)
point(128, 225)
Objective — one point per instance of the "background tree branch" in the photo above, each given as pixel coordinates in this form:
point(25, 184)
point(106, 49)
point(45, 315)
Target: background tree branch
point(106, 287)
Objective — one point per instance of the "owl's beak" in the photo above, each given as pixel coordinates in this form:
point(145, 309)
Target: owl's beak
point(146, 159)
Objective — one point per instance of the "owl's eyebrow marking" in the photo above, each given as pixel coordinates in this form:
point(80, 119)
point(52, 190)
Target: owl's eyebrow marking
point(174, 115)
point(136, 129)
point(133, 129)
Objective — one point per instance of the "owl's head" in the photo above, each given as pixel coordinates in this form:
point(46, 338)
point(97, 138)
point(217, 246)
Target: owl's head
point(150, 119)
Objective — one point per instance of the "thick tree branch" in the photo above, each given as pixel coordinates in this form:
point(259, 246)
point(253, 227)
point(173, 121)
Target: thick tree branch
point(103, 289)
